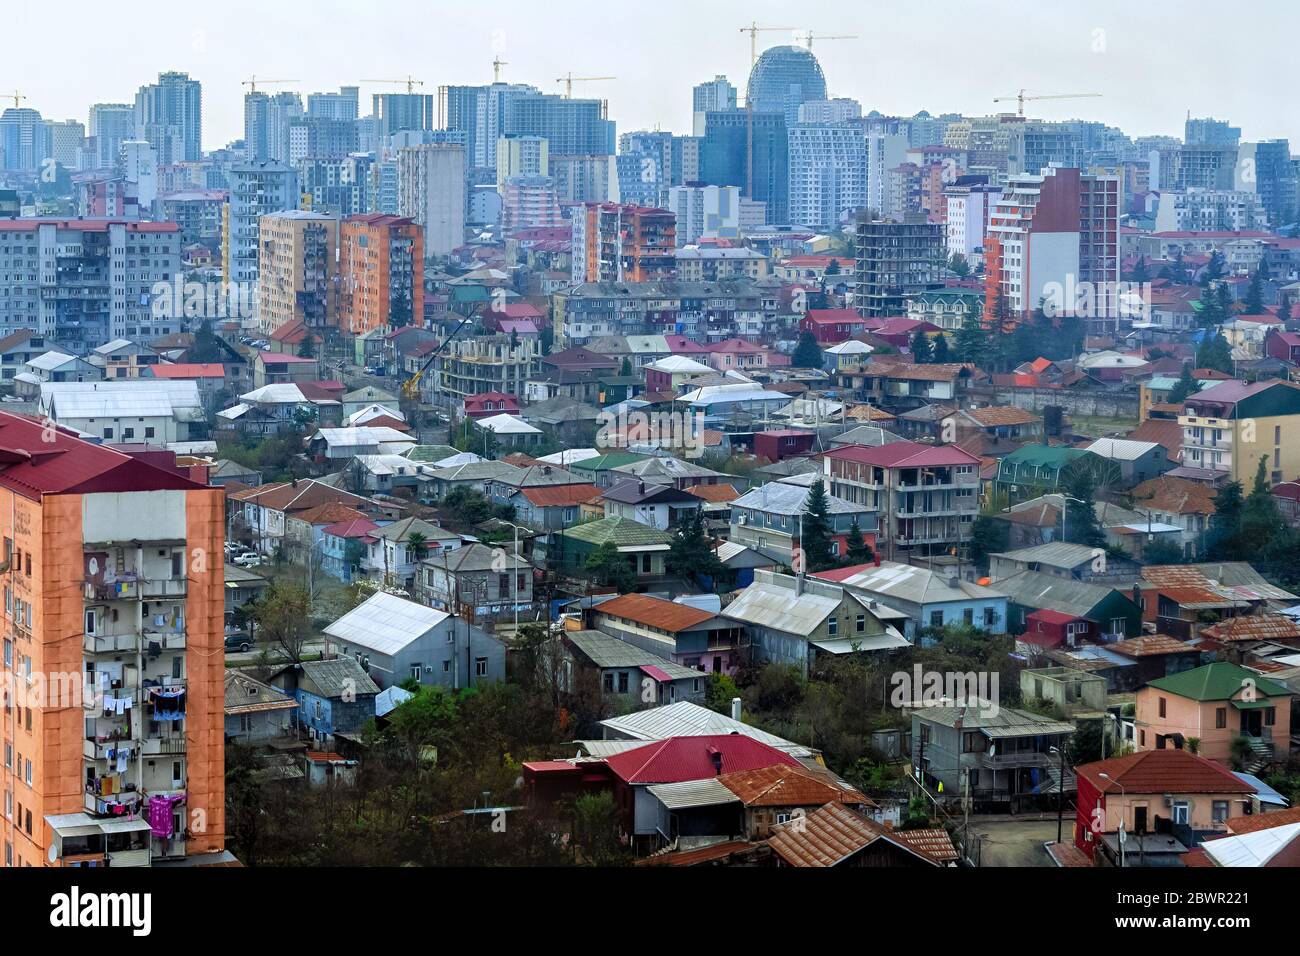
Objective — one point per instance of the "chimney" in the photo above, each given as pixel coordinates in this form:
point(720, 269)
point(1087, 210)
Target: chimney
point(715, 755)
point(954, 582)
point(735, 708)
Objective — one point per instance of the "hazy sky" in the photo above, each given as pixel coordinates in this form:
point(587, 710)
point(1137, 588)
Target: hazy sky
point(1152, 61)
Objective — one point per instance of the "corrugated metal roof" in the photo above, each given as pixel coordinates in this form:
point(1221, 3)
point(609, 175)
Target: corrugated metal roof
point(779, 608)
point(685, 719)
point(693, 793)
point(386, 623)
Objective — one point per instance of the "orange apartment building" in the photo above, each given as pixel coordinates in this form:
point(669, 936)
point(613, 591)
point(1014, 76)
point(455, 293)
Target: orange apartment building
point(381, 273)
point(1215, 704)
point(113, 668)
point(623, 243)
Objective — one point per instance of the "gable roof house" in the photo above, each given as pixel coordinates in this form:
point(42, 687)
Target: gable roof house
point(694, 638)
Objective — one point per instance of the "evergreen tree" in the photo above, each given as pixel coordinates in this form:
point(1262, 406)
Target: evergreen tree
point(206, 348)
point(959, 265)
point(834, 268)
point(1215, 353)
point(547, 339)
point(1223, 539)
point(1261, 522)
point(921, 347)
point(690, 555)
point(307, 347)
point(1227, 302)
point(815, 530)
point(859, 552)
point(1214, 269)
point(1255, 294)
point(1081, 523)
point(971, 342)
point(1186, 386)
point(808, 354)
point(1284, 309)
point(609, 568)
point(625, 370)
point(1140, 272)
point(940, 354)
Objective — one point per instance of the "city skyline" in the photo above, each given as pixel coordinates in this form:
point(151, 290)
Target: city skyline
point(1108, 50)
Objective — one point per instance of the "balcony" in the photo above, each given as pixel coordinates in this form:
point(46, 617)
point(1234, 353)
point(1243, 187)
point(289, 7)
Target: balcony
point(110, 643)
point(164, 587)
point(1028, 758)
point(163, 746)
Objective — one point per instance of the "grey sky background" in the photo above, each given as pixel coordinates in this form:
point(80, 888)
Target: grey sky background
point(1152, 61)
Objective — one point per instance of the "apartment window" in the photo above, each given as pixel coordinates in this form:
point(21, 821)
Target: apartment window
point(415, 671)
point(1182, 812)
point(1220, 718)
point(833, 626)
point(861, 623)
point(1219, 811)
point(936, 618)
point(480, 667)
point(622, 682)
point(1162, 707)
point(1270, 717)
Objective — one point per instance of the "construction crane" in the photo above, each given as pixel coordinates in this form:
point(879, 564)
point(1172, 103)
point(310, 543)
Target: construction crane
point(570, 79)
point(809, 37)
point(411, 387)
point(16, 97)
point(411, 83)
point(252, 82)
point(496, 68)
point(1021, 99)
point(754, 30)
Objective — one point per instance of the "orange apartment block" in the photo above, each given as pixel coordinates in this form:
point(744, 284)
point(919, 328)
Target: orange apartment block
point(113, 668)
point(1215, 704)
point(623, 243)
point(381, 273)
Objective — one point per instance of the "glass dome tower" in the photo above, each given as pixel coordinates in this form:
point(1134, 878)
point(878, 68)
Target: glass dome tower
point(784, 78)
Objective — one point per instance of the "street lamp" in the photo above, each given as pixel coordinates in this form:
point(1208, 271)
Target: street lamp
point(514, 577)
point(1065, 509)
point(1106, 776)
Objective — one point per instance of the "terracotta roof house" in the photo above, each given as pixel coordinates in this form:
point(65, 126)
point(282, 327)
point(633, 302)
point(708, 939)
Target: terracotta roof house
point(835, 835)
point(683, 634)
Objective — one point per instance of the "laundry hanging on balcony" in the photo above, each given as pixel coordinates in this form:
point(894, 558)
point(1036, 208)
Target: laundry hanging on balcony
point(165, 704)
point(159, 815)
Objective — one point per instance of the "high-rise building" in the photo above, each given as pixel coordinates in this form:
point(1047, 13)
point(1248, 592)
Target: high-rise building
point(828, 174)
point(395, 112)
point(24, 139)
point(838, 110)
point(529, 202)
point(169, 114)
point(522, 156)
point(885, 151)
point(1054, 237)
point(580, 179)
point(82, 283)
point(1210, 132)
point(381, 273)
point(340, 186)
point(645, 163)
point(66, 139)
point(704, 212)
point(1265, 169)
point(113, 668)
point(894, 262)
point(1210, 210)
point(140, 168)
point(969, 213)
point(256, 190)
point(725, 150)
point(312, 137)
point(297, 265)
point(782, 80)
point(110, 125)
point(1208, 166)
point(717, 95)
point(267, 120)
point(571, 127)
point(432, 190)
point(613, 242)
point(343, 105)
point(479, 112)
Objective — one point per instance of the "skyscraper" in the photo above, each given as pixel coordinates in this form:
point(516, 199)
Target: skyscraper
point(783, 79)
point(715, 95)
point(723, 157)
point(256, 189)
point(343, 105)
point(24, 139)
point(828, 174)
point(395, 112)
point(266, 124)
point(169, 114)
point(110, 125)
point(432, 190)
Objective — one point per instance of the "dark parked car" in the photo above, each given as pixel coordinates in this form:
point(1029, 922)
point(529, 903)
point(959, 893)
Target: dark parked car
point(239, 641)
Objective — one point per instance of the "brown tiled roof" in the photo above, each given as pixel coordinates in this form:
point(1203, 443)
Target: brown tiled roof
point(1043, 516)
point(296, 496)
point(553, 496)
point(1163, 431)
point(705, 854)
point(1175, 495)
point(1264, 821)
point(784, 786)
point(869, 413)
point(717, 493)
point(1175, 576)
point(832, 833)
point(1001, 415)
point(1151, 645)
point(520, 460)
point(654, 612)
point(1068, 855)
point(1162, 771)
point(1257, 627)
point(329, 513)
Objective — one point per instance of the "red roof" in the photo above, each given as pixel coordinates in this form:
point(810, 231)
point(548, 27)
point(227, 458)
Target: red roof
point(552, 496)
point(1053, 617)
point(36, 461)
point(1162, 771)
point(356, 528)
point(190, 370)
point(693, 758)
point(904, 454)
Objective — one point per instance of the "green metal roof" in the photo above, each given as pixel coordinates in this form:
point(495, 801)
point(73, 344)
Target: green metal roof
point(1036, 456)
point(1218, 681)
point(624, 532)
point(608, 462)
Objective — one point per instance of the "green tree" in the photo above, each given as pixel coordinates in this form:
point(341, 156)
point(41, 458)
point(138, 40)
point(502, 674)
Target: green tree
point(858, 551)
point(921, 349)
point(719, 691)
point(1261, 522)
point(1223, 538)
point(940, 353)
point(596, 830)
point(1214, 269)
point(815, 530)
point(1255, 294)
point(546, 339)
point(1185, 388)
point(971, 342)
point(625, 370)
point(988, 536)
point(307, 347)
point(1215, 353)
point(283, 616)
point(1140, 271)
point(1081, 523)
point(807, 354)
point(690, 555)
point(1284, 308)
point(959, 265)
point(425, 720)
point(207, 347)
point(1163, 552)
point(418, 542)
point(610, 569)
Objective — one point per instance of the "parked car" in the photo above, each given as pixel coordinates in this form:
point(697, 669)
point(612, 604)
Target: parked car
point(240, 641)
point(249, 559)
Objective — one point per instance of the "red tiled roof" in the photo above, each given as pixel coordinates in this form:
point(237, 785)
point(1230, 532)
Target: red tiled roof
point(654, 612)
point(1162, 771)
point(719, 493)
point(190, 370)
point(1257, 627)
point(692, 758)
point(785, 786)
point(1264, 821)
point(356, 528)
point(552, 496)
point(1151, 645)
point(904, 454)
